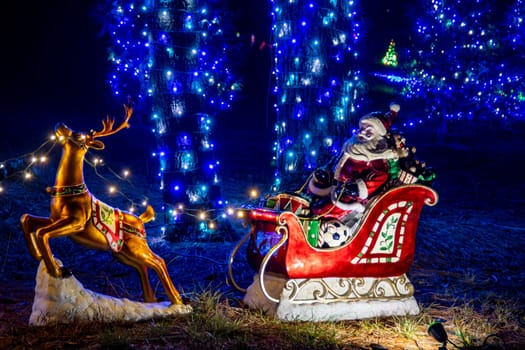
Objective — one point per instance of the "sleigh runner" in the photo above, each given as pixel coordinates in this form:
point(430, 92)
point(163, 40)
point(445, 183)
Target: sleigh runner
point(364, 277)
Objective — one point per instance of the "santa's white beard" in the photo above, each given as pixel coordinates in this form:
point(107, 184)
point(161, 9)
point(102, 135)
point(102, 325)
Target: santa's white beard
point(369, 149)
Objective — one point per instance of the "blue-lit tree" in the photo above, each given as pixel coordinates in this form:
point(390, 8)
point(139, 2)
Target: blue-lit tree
point(316, 83)
point(172, 58)
point(466, 60)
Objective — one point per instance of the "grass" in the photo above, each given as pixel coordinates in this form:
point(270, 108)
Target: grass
point(215, 324)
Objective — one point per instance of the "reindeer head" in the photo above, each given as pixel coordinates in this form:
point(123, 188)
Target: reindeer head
point(83, 141)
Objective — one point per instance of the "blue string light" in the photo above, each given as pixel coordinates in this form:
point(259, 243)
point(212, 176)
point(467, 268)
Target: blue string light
point(172, 58)
point(316, 81)
point(466, 61)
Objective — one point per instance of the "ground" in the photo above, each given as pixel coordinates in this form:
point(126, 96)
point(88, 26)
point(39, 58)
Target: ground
point(469, 248)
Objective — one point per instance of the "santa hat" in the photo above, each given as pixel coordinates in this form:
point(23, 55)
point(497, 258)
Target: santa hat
point(382, 121)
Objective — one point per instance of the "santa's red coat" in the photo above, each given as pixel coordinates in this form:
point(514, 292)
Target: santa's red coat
point(369, 175)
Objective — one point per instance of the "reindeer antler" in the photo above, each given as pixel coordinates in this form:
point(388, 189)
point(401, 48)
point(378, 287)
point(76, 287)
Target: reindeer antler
point(108, 123)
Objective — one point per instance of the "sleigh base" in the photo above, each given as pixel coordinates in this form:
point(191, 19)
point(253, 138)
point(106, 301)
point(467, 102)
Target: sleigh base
point(332, 298)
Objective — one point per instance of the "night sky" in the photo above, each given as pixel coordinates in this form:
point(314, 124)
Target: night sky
point(53, 60)
point(53, 69)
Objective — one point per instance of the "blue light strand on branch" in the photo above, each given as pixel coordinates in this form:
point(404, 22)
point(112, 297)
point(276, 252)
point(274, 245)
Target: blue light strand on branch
point(466, 61)
point(317, 83)
point(135, 32)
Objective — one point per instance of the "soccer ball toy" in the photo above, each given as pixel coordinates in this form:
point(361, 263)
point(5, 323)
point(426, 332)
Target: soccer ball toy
point(335, 233)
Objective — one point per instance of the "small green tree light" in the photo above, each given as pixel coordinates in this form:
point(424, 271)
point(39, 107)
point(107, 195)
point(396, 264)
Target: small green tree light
point(390, 57)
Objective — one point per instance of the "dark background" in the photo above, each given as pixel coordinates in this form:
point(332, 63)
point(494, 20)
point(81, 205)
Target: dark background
point(53, 61)
point(53, 68)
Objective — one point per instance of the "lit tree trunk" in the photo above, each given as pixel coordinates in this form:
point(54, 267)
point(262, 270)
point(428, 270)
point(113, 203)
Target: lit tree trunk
point(316, 83)
point(176, 50)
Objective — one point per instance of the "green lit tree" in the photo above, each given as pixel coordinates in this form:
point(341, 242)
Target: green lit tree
point(390, 57)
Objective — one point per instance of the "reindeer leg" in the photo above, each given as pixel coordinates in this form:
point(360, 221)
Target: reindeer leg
point(62, 227)
point(136, 249)
point(29, 225)
point(157, 264)
point(142, 271)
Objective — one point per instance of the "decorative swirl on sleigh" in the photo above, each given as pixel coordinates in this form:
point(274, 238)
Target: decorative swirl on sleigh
point(331, 290)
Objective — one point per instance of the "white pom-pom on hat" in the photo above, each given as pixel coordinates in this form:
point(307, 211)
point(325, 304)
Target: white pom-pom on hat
point(395, 107)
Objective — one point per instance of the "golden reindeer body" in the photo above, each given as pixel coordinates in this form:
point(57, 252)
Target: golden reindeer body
point(71, 215)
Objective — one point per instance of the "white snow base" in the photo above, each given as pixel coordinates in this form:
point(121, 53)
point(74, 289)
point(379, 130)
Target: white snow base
point(65, 300)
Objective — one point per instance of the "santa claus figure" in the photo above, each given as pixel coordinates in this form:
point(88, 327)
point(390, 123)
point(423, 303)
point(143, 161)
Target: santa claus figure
point(341, 189)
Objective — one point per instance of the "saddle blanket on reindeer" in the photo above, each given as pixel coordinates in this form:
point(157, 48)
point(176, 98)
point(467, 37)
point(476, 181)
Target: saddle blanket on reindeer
point(109, 221)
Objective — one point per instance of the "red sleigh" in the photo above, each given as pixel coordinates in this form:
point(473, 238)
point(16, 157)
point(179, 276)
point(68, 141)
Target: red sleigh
point(365, 277)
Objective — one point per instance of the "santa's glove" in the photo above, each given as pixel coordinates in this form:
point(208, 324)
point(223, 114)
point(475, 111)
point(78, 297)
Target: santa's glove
point(322, 178)
point(347, 193)
point(402, 152)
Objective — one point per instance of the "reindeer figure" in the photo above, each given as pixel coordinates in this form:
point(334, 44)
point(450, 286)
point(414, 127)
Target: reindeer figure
point(76, 213)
